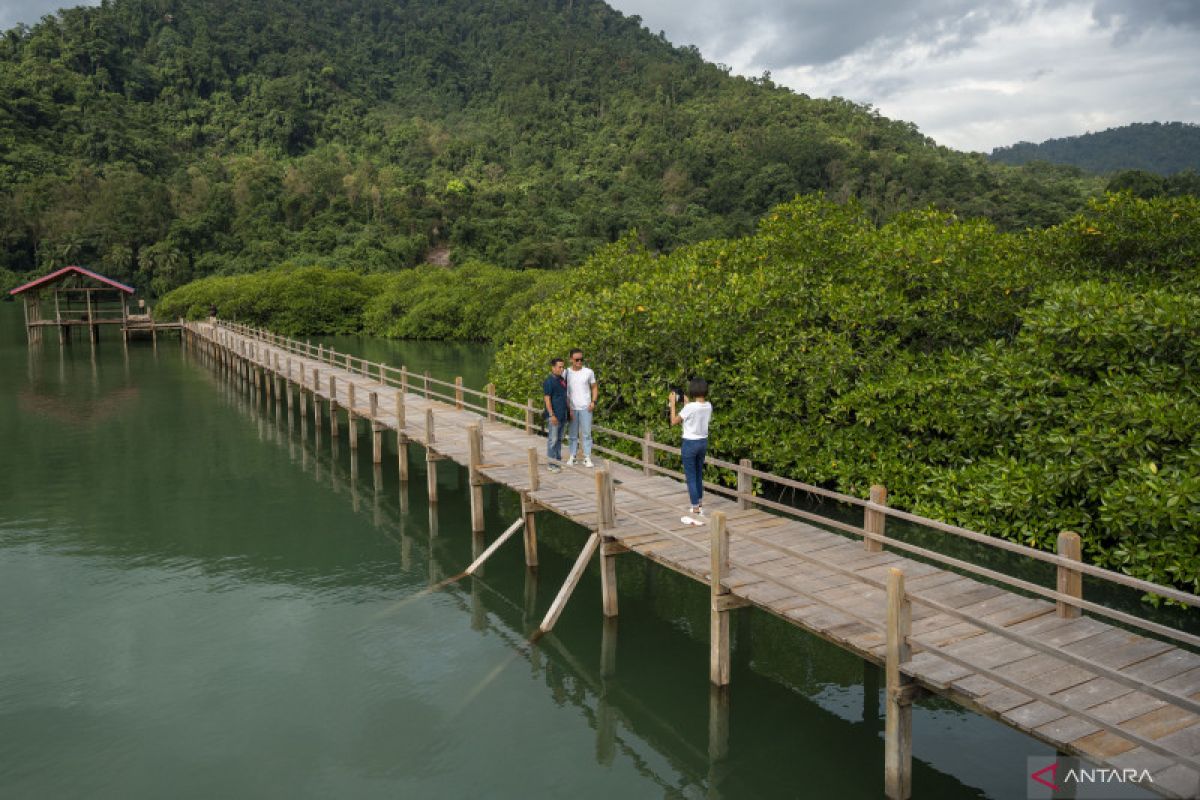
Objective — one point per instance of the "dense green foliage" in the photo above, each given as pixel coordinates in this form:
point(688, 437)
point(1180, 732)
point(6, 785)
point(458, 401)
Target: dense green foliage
point(1020, 384)
point(472, 302)
point(1162, 148)
point(164, 142)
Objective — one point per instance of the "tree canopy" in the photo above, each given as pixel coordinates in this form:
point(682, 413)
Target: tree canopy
point(165, 141)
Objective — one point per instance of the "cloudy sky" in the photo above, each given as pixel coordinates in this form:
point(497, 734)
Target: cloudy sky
point(973, 75)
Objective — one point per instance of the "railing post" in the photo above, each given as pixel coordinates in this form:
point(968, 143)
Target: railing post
point(745, 486)
point(529, 416)
point(403, 380)
point(605, 521)
point(491, 402)
point(718, 658)
point(458, 393)
point(875, 521)
point(897, 746)
point(648, 458)
point(426, 384)
point(1070, 581)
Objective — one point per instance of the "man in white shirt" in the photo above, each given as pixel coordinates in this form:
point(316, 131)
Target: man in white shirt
point(581, 396)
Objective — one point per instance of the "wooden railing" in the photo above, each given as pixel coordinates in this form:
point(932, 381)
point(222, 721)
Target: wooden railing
point(739, 485)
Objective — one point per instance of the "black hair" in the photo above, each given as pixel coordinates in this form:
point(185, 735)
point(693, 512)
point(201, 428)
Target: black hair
point(574, 351)
point(697, 387)
point(556, 360)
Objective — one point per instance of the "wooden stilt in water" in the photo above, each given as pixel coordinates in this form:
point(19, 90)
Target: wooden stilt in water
point(431, 458)
point(351, 422)
point(529, 511)
point(401, 436)
point(333, 406)
point(376, 430)
point(475, 458)
point(897, 746)
point(606, 520)
point(718, 663)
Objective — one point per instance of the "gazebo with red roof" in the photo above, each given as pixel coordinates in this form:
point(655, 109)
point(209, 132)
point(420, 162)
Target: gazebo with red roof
point(81, 298)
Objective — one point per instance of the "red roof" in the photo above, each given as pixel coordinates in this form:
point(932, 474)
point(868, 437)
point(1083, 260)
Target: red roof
point(53, 276)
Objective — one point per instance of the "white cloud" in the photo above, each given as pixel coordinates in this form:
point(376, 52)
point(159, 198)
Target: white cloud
point(971, 75)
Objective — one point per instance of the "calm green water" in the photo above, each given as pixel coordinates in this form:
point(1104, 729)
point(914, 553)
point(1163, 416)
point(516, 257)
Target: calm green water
point(198, 600)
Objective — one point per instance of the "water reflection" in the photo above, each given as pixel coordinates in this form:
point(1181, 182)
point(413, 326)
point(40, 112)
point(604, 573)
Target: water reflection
point(272, 536)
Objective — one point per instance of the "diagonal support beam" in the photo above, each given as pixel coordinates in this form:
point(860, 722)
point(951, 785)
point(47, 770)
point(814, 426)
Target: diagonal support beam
point(564, 594)
point(494, 546)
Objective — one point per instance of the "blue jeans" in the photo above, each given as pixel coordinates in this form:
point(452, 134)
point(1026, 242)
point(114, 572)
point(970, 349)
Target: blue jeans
point(554, 436)
point(581, 427)
point(693, 467)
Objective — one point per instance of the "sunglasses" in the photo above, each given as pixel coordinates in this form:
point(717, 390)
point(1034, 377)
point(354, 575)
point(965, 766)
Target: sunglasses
point(577, 360)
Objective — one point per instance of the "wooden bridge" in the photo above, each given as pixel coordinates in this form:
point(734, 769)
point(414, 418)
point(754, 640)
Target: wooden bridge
point(1124, 694)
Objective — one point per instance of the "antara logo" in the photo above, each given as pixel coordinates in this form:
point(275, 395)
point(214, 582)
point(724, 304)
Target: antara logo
point(1075, 773)
point(1102, 775)
point(1040, 776)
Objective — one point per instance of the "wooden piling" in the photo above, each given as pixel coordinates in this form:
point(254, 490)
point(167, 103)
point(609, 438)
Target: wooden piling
point(606, 520)
point(458, 394)
point(1069, 581)
point(401, 436)
point(333, 420)
point(351, 422)
point(529, 509)
point(897, 745)
point(875, 521)
point(475, 458)
point(648, 452)
point(719, 640)
point(491, 402)
point(430, 457)
point(376, 429)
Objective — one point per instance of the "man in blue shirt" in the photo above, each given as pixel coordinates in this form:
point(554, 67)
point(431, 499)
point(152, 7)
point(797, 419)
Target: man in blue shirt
point(554, 396)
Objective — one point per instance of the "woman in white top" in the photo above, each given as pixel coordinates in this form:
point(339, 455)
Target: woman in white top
point(695, 417)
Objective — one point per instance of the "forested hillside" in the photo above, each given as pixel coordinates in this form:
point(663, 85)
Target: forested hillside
point(163, 140)
point(1163, 148)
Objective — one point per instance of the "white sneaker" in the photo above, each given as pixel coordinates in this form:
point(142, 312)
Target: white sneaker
point(571, 461)
point(587, 462)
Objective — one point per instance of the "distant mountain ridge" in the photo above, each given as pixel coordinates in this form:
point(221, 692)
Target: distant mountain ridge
point(1164, 148)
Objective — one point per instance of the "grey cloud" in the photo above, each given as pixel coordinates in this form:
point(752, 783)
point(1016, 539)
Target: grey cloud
point(1129, 19)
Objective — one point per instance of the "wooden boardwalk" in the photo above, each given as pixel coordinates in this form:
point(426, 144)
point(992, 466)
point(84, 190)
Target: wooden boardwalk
point(1120, 699)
